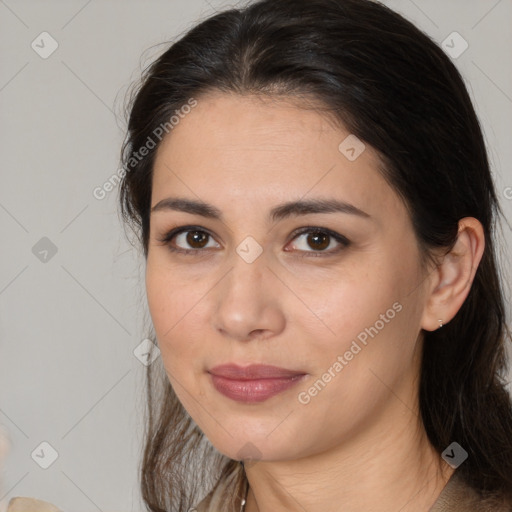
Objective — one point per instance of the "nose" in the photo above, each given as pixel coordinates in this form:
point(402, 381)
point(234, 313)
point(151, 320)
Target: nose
point(247, 302)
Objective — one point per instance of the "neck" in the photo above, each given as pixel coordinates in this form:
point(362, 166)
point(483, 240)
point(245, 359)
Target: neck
point(387, 467)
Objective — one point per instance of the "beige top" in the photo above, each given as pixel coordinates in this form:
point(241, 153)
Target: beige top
point(455, 497)
point(30, 505)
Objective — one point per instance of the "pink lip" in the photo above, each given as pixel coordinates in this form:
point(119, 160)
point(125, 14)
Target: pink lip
point(254, 383)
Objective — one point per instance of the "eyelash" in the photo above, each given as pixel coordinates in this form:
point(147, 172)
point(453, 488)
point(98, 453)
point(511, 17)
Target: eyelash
point(167, 238)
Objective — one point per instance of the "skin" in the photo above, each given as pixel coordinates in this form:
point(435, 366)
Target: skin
point(359, 443)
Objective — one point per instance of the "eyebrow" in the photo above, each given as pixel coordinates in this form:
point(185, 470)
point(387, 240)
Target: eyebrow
point(282, 211)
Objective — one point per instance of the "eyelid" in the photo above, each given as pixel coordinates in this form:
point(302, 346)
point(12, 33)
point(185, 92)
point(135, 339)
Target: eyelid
point(342, 240)
point(172, 233)
point(317, 229)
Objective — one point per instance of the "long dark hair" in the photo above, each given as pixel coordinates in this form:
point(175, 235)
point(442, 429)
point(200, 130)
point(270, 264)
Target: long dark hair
point(396, 90)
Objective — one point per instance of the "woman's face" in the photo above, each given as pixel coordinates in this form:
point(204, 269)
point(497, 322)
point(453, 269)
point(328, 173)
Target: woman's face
point(336, 296)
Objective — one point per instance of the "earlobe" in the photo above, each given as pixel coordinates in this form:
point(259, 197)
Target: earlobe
point(451, 281)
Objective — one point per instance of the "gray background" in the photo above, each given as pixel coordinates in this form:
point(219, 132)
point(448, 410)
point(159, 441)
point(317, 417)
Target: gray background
point(69, 325)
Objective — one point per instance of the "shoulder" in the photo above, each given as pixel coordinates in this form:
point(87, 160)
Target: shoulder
point(458, 496)
point(21, 504)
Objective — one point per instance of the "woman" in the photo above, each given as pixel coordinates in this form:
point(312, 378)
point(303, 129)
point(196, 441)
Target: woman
point(310, 186)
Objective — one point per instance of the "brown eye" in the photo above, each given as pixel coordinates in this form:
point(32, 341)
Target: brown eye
point(318, 241)
point(188, 240)
point(197, 239)
point(315, 241)
point(193, 241)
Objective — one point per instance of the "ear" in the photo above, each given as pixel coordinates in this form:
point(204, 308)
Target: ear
point(451, 280)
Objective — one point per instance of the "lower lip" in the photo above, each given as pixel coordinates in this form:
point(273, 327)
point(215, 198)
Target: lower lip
point(251, 391)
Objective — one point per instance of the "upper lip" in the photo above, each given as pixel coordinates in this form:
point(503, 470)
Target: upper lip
point(253, 371)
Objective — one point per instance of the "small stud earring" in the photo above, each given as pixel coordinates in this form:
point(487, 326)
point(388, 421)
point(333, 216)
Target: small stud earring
point(440, 324)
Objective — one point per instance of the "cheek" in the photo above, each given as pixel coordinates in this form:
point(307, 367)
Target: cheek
point(356, 302)
point(355, 370)
point(168, 302)
point(168, 306)
point(161, 302)
point(372, 318)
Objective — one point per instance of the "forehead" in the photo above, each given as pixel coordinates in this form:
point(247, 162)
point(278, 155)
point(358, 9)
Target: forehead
point(234, 122)
point(257, 149)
